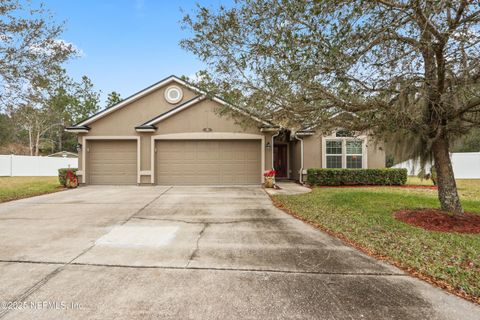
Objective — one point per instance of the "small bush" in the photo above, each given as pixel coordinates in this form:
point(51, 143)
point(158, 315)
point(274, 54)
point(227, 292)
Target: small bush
point(62, 175)
point(389, 161)
point(352, 177)
point(433, 175)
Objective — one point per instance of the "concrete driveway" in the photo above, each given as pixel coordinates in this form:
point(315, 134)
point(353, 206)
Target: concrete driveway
point(192, 252)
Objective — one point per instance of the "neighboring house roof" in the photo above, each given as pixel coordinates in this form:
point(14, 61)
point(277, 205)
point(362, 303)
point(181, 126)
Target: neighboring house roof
point(77, 129)
point(147, 126)
point(63, 154)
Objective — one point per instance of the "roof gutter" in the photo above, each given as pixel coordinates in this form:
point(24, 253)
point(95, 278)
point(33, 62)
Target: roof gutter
point(143, 128)
point(304, 133)
point(300, 177)
point(77, 129)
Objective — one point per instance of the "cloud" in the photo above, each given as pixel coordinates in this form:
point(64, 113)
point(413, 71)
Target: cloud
point(5, 38)
point(57, 45)
point(139, 8)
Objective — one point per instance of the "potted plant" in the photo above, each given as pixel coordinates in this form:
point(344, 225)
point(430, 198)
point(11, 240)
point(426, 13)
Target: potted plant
point(269, 178)
point(71, 179)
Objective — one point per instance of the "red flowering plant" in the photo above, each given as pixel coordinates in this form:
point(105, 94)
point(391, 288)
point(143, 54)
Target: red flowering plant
point(269, 178)
point(71, 179)
point(270, 173)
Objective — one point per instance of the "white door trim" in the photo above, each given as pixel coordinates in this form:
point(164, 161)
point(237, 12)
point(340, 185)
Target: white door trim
point(84, 151)
point(206, 136)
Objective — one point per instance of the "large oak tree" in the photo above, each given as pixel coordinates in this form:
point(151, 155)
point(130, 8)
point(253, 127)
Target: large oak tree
point(405, 70)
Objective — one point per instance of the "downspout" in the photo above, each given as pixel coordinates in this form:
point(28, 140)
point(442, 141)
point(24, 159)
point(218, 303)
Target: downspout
point(273, 137)
point(300, 177)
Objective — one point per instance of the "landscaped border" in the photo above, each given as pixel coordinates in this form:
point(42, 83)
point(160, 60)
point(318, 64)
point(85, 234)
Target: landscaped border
point(429, 279)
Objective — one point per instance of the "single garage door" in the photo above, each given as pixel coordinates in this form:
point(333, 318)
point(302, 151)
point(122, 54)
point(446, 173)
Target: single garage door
point(208, 162)
point(112, 161)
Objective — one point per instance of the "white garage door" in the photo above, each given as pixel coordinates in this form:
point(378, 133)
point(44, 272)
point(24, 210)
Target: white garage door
point(208, 162)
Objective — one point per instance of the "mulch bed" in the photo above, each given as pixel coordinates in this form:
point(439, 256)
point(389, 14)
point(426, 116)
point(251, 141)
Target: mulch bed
point(437, 220)
point(371, 186)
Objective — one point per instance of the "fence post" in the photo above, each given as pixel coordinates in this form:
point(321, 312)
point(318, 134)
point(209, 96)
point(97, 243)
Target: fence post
point(11, 165)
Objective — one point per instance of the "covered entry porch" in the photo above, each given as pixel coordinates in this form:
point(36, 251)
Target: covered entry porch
point(288, 154)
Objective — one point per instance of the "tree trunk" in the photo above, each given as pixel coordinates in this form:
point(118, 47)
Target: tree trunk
point(60, 139)
point(447, 187)
point(37, 142)
point(30, 141)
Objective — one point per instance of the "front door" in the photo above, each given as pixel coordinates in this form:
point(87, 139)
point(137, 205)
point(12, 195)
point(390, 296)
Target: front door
point(280, 160)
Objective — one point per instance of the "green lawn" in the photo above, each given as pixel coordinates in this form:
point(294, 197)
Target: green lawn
point(364, 216)
point(12, 188)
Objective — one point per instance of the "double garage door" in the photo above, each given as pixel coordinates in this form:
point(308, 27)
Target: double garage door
point(208, 162)
point(178, 162)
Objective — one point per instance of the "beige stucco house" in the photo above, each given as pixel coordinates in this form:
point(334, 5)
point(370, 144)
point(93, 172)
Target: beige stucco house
point(171, 134)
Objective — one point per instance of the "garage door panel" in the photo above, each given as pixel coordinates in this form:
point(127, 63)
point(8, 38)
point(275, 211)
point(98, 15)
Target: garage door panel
point(112, 162)
point(198, 162)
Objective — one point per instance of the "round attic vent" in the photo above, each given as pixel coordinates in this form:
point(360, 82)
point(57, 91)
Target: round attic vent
point(173, 94)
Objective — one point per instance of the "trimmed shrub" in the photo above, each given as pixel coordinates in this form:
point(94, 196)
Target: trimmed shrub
point(352, 177)
point(62, 175)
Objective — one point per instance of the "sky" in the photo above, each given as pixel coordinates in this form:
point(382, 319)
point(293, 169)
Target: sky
point(127, 45)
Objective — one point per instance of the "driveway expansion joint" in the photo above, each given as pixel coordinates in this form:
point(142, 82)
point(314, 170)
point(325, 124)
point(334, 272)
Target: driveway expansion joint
point(246, 261)
point(253, 270)
point(145, 206)
point(27, 293)
point(212, 222)
point(126, 220)
point(23, 296)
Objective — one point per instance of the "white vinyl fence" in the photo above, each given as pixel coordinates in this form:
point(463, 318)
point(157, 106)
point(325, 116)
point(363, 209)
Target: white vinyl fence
point(12, 165)
point(466, 165)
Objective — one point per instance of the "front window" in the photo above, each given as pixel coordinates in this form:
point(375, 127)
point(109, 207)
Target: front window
point(345, 152)
point(334, 154)
point(354, 154)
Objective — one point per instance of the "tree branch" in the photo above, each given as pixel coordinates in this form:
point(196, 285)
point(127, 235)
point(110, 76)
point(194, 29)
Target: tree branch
point(473, 103)
point(453, 24)
point(392, 4)
point(469, 18)
point(426, 22)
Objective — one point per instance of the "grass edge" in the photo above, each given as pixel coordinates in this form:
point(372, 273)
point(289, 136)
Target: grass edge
point(58, 189)
point(411, 271)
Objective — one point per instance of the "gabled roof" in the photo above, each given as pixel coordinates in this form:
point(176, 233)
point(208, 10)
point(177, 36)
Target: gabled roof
point(64, 154)
point(171, 112)
point(83, 125)
point(126, 101)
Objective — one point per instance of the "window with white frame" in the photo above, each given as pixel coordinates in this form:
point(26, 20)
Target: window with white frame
point(354, 153)
point(334, 153)
point(344, 151)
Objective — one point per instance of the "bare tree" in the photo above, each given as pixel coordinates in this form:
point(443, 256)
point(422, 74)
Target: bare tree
point(29, 48)
point(37, 123)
